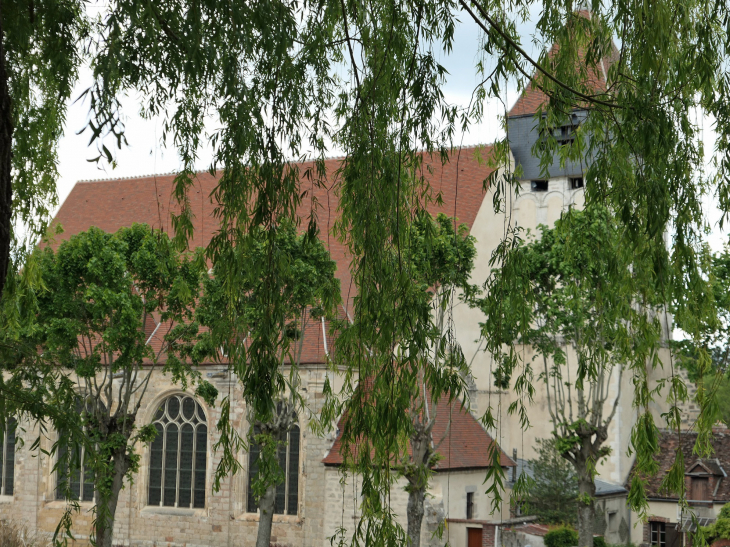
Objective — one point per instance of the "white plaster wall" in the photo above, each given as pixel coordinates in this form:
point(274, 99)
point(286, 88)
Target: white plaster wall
point(453, 487)
point(529, 210)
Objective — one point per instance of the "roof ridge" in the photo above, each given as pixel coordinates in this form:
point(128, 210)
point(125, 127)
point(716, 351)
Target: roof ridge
point(207, 171)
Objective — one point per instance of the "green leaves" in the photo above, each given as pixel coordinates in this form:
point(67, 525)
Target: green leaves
point(587, 308)
point(109, 309)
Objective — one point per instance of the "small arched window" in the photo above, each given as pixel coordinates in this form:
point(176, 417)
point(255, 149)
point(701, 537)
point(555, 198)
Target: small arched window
point(178, 454)
point(7, 456)
point(287, 492)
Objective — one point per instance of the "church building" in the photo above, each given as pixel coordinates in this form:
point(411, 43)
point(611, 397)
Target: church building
point(162, 509)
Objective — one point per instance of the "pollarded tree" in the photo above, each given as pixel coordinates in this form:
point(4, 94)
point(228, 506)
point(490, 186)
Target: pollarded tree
point(106, 297)
point(587, 333)
point(239, 326)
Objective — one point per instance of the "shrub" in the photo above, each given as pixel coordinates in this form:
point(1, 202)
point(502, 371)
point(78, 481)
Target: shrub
point(599, 541)
point(13, 534)
point(720, 529)
point(562, 536)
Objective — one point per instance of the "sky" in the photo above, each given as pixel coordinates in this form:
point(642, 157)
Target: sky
point(145, 155)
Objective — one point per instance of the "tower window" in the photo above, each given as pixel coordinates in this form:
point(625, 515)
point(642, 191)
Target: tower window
point(470, 505)
point(539, 185)
point(576, 182)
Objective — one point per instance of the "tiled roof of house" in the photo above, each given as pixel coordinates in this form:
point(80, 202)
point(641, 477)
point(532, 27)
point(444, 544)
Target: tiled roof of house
point(718, 465)
point(465, 444)
point(533, 98)
point(115, 203)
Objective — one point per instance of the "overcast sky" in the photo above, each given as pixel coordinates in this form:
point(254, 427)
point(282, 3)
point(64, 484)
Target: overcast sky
point(145, 156)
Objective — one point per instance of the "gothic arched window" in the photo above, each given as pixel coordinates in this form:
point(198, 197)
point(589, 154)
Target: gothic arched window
point(178, 454)
point(7, 457)
point(287, 492)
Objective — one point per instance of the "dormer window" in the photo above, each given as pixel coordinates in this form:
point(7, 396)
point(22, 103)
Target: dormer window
point(704, 477)
point(539, 185)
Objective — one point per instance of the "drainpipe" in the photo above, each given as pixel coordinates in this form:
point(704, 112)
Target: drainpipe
point(514, 469)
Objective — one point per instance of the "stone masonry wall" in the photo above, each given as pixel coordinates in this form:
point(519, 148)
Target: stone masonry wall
point(224, 520)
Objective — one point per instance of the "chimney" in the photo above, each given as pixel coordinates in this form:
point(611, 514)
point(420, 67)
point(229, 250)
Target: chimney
point(514, 469)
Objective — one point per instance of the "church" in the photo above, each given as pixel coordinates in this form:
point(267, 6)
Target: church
point(164, 506)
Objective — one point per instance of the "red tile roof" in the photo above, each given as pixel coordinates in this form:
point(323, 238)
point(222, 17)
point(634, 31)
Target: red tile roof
point(112, 204)
point(532, 98)
point(717, 466)
point(465, 445)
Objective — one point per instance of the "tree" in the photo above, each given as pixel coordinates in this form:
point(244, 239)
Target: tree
point(706, 354)
point(553, 494)
point(103, 293)
point(439, 260)
point(587, 333)
point(311, 293)
point(269, 74)
point(720, 529)
point(442, 258)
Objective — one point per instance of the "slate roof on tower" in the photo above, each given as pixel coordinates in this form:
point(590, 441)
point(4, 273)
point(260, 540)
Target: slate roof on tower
point(115, 203)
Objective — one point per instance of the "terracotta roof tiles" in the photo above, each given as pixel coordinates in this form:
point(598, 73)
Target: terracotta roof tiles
point(466, 445)
point(113, 204)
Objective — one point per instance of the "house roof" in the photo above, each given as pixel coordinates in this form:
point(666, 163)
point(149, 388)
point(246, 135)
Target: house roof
point(532, 98)
point(603, 488)
point(671, 441)
point(114, 203)
point(532, 528)
point(465, 445)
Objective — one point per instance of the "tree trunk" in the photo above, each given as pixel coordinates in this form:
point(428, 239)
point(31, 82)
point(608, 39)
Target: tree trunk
point(105, 522)
point(6, 156)
point(417, 476)
point(266, 517)
point(586, 505)
point(416, 498)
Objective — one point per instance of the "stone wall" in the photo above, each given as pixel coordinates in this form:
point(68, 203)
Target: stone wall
point(224, 520)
